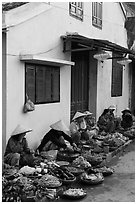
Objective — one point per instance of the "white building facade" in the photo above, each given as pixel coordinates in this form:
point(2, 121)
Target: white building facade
point(34, 37)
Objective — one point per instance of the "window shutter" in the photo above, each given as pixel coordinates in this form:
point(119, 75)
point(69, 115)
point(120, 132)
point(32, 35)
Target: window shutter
point(39, 84)
point(76, 9)
point(117, 79)
point(56, 84)
point(30, 82)
point(47, 84)
point(97, 14)
point(43, 83)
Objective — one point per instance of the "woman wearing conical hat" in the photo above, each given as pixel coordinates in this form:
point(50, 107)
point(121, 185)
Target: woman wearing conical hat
point(127, 124)
point(106, 121)
point(17, 151)
point(78, 128)
point(90, 120)
point(55, 138)
point(127, 119)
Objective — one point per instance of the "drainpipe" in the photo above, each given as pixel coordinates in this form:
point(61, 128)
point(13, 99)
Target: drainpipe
point(4, 88)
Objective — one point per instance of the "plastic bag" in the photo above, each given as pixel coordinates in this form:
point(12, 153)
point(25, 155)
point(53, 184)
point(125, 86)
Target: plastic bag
point(28, 106)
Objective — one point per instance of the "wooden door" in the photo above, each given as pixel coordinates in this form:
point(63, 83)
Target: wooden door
point(79, 82)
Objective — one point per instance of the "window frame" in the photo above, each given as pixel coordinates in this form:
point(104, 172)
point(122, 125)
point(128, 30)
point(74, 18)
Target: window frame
point(117, 69)
point(35, 91)
point(95, 14)
point(77, 7)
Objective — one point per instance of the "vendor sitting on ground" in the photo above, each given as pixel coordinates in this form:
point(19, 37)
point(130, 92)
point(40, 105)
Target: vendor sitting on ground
point(106, 121)
point(92, 128)
point(127, 125)
point(90, 120)
point(55, 138)
point(78, 128)
point(127, 119)
point(17, 151)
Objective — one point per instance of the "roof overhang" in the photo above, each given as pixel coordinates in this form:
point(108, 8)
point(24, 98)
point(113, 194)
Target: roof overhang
point(45, 61)
point(83, 43)
point(123, 9)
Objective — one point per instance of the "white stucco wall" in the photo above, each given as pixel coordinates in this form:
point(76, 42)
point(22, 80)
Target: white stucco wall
point(117, 34)
point(41, 34)
point(104, 99)
point(32, 37)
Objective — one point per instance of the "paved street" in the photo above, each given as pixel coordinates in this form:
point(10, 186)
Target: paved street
point(119, 187)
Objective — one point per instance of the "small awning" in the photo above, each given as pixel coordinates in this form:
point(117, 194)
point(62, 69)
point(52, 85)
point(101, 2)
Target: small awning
point(45, 61)
point(82, 43)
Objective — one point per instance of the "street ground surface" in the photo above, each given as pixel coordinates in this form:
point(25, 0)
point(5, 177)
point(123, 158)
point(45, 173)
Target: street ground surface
point(119, 187)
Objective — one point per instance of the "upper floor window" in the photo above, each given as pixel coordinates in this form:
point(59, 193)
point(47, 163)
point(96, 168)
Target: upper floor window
point(76, 9)
point(97, 14)
point(42, 83)
point(117, 78)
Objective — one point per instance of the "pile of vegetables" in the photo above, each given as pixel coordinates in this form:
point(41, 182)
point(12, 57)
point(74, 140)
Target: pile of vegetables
point(64, 174)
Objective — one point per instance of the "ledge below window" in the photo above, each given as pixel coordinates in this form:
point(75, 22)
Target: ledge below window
point(47, 61)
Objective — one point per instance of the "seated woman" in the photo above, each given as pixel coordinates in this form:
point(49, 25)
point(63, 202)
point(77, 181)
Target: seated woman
point(92, 128)
point(78, 128)
point(106, 121)
point(55, 138)
point(17, 152)
point(127, 119)
point(127, 125)
point(90, 120)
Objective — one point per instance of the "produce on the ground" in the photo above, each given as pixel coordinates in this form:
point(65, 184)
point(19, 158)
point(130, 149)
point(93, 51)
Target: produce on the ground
point(81, 162)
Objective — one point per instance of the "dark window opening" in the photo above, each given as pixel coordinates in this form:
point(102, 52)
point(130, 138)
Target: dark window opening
point(42, 83)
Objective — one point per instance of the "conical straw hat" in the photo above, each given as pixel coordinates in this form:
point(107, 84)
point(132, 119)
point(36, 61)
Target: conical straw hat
point(88, 113)
point(78, 115)
point(59, 125)
point(20, 129)
point(126, 110)
point(112, 107)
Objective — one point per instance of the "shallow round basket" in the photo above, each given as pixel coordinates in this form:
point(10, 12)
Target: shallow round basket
point(54, 186)
point(106, 172)
point(91, 182)
point(72, 197)
point(66, 182)
point(75, 172)
point(62, 156)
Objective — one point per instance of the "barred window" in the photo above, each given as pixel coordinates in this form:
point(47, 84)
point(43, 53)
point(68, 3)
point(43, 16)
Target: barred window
point(76, 9)
point(97, 14)
point(42, 83)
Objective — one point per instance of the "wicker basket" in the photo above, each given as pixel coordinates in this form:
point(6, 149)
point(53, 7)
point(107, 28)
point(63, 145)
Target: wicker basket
point(63, 156)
